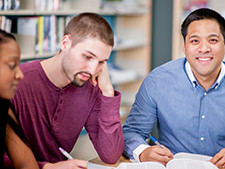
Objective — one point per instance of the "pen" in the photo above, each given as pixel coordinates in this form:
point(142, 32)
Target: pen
point(156, 142)
point(65, 153)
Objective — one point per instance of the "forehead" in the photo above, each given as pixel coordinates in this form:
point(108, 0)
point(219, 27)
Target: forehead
point(9, 50)
point(95, 47)
point(204, 25)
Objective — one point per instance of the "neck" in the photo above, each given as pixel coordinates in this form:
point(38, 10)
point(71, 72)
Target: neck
point(54, 71)
point(207, 82)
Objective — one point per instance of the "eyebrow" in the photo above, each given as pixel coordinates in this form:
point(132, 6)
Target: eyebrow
point(14, 57)
point(211, 35)
point(91, 53)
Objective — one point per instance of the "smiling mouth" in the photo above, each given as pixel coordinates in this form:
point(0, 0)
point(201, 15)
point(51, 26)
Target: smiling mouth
point(204, 59)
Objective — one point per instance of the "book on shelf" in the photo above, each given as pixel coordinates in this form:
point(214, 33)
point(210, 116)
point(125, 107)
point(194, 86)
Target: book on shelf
point(1, 4)
point(42, 30)
point(9, 4)
point(5, 23)
point(48, 5)
point(180, 161)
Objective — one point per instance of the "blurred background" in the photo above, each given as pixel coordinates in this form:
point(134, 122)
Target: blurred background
point(147, 34)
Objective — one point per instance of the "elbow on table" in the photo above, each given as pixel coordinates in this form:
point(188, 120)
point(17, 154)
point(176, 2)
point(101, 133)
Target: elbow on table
point(113, 157)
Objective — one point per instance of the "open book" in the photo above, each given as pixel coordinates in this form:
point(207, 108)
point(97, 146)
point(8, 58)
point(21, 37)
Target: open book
point(180, 161)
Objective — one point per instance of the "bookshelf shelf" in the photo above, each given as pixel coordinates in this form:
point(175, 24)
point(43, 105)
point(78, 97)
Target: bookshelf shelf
point(27, 12)
point(122, 47)
point(132, 45)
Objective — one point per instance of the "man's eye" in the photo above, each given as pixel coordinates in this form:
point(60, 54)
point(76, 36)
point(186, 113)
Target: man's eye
point(213, 40)
point(102, 62)
point(87, 57)
point(194, 41)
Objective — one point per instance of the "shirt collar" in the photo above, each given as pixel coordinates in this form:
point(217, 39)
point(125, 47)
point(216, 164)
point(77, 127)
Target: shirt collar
point(193, 79)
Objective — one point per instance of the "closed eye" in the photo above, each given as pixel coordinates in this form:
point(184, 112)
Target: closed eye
point(12, 65)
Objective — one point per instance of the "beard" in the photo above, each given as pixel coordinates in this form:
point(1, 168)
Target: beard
point(79, 82)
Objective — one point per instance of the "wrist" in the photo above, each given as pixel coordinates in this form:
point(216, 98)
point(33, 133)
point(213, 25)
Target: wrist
point(108, 92)
point(47, 166)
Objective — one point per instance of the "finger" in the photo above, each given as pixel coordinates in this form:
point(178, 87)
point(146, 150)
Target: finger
point(162, 154)
point(81, 163)
point(216, 158)
point(168, 152)
point(164, 151)
point(220, 163)
point(93, 80)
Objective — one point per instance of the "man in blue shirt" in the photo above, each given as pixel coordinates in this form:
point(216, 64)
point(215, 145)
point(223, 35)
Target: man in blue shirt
point(186, 96)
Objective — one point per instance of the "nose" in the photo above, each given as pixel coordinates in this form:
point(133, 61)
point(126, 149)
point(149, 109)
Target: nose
point(19, 74)
point(204, 47)
point(93, 68)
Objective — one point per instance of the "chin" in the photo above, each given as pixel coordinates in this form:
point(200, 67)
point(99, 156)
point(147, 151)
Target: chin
point(7, 96)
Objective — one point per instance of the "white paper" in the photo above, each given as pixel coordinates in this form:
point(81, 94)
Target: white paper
point(98, 166)
point(181, 163)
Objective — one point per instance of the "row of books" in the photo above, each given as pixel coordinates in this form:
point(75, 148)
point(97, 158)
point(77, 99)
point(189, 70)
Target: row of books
point(40, 5)
point(5, 23)
point(9, 4)
point(49, 5)
point(47, 31)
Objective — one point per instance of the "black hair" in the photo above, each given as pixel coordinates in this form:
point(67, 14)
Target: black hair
point(5, 105)
point(200, 14)
point(5, 36)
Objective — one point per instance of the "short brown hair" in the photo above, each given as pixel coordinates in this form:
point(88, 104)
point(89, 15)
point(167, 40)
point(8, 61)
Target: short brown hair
point(87, 25)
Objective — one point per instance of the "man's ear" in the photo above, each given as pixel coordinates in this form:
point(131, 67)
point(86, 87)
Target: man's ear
point(66, 42)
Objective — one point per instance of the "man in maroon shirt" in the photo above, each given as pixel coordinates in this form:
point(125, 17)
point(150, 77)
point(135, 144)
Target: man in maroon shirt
point(61, 95)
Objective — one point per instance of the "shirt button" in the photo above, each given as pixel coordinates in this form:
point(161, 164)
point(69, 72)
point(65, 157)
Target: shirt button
point(205, 94)
point(202, 138)
point(55, 118)
point(203, 116)
point(60, 101)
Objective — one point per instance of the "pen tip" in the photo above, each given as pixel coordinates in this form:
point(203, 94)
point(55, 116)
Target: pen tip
point(153, 139)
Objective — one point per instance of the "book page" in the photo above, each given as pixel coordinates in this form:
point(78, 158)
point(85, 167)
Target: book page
point(181, 163)
point(98, 166)
point(142, 165)
point(193, 156)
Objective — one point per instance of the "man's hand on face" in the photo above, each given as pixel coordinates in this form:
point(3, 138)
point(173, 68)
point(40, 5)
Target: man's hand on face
point(103, 81)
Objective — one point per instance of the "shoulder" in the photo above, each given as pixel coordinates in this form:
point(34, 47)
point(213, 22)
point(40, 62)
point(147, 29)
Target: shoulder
point(32, 73)
point(167, 72)
point(30, 66)
point(171, 66)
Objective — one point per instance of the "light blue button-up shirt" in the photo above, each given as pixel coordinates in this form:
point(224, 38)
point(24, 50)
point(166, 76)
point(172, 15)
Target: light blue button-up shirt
point(190, 119)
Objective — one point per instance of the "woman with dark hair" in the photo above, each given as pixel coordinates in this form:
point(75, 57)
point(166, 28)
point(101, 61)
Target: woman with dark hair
point(12, 139)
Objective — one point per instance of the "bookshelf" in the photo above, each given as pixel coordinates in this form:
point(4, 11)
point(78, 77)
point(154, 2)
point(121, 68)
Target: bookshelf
point(131, 24)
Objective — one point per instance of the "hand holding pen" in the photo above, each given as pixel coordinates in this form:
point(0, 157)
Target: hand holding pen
point(71, 163)
point(156, 142)
point(158, 153)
